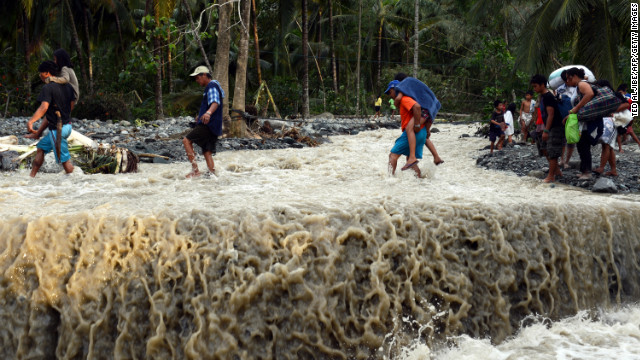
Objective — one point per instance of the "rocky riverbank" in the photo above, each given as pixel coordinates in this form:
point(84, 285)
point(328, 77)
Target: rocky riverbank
point(523, 160)
point(164, 137)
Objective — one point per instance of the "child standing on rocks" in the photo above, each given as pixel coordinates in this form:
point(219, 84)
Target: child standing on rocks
point(526, 114)
point(497, 125)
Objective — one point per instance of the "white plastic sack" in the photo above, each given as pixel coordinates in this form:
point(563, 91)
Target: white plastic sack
point(622, 118)
point(555, 80)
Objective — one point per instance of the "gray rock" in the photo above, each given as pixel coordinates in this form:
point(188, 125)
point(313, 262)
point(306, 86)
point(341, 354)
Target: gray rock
point(7, 160)
point(538, 174)
point(50, 166)
point(605, 185)
point(124, 123)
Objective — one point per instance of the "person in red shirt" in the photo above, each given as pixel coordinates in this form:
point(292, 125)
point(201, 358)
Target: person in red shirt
point(413, 132)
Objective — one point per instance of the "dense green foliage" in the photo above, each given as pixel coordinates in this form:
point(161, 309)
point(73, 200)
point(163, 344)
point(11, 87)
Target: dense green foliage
point(469, 53)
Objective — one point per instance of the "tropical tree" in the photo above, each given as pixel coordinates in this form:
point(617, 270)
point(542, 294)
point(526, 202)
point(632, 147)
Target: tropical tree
point(591, 30)
point(241, 69)
point(221, 66)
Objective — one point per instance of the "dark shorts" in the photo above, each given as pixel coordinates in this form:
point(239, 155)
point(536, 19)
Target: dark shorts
point(553, 145)
point(203, 137)
point(377, 108)
point(495, 133)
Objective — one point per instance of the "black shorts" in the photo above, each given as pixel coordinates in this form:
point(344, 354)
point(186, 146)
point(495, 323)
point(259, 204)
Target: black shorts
point(202, 136)
point(377, 108)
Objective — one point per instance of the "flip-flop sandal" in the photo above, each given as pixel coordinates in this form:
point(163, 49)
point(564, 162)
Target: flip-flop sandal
point(408, 166)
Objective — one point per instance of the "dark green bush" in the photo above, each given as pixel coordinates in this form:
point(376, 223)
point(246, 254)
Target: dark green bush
point(102, 107)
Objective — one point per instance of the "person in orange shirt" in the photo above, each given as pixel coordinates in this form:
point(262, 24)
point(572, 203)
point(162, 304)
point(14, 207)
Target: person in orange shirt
point(413, 132)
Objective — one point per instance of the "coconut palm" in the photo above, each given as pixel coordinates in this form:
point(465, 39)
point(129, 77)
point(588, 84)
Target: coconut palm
point(592, 29)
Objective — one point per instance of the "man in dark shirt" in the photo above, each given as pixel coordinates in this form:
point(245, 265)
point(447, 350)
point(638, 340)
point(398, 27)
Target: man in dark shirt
point(553, 133)
point(53, 98)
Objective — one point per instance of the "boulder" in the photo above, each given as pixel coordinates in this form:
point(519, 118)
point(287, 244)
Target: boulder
point(605, 185)
point(8, 160)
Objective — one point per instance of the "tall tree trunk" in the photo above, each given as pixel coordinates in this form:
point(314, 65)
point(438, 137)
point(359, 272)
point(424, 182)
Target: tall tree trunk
point(184, 54)
point(158, 83)
point(239, 126)
point(358, 61)
point(195, 34)
point(157, 53)
point(305, 61)
point(169, 62)
point(221, 66)
point(416, 42)
point(76, 43)
point(27, 54)
point(333, 51)
point(88, 38)
point(256, 43)
point(379, 54)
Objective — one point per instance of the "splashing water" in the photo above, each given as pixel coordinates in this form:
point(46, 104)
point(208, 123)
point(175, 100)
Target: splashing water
point(306, 253)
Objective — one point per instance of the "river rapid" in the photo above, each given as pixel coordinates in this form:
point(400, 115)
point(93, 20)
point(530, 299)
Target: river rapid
point(317, 253)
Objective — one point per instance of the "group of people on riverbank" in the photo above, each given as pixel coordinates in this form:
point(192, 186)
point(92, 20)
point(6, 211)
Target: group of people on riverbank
point(598, 108)
point(601, 114)
point(61, 92)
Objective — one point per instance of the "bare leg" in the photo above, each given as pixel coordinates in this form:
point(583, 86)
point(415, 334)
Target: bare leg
point(188, 146)
point(491, 152)
point(612, 162)
point(208, 157)
point(634, 137)
point(553, 171)
point(436, 158)
point(619, 140)
point(411, 138)
point(604, 157)
point(37, 162)
point(393, 163)
point(67, 166)
point(568, 157)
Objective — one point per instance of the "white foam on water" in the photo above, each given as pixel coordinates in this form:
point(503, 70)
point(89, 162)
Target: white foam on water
point(349, 171)
point(613, 334)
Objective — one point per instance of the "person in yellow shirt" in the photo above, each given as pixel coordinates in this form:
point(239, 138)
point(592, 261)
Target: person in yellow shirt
point(377, 106)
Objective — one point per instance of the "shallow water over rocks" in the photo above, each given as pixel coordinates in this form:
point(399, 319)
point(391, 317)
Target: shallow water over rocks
point(302, 253)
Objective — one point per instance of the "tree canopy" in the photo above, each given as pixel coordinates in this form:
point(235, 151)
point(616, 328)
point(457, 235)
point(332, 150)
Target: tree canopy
point(133, 57)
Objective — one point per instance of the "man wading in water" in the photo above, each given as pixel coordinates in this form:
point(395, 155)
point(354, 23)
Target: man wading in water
point(208, 123)
point(56, 102)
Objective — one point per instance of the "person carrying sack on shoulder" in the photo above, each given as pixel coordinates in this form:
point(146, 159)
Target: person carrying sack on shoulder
point(54, 99)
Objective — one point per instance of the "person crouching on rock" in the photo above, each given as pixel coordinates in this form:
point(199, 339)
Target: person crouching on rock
point(410, 114)
point(56, 103)
point(208, 123)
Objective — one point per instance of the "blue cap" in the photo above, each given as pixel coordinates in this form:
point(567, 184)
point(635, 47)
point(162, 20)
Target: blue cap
point(392, 85)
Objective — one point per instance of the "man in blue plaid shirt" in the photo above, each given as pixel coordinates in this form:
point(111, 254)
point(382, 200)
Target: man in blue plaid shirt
point(208, 123)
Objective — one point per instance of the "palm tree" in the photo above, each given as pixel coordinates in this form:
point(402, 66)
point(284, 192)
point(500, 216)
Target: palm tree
point(592, 29)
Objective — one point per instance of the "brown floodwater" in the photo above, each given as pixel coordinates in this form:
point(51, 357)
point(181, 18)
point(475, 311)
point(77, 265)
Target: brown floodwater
point(312, 253)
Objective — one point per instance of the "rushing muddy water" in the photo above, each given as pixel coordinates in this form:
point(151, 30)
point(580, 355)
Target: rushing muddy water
point(306, 253)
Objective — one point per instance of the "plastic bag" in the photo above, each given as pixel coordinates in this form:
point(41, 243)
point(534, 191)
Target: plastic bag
point(571, 129)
